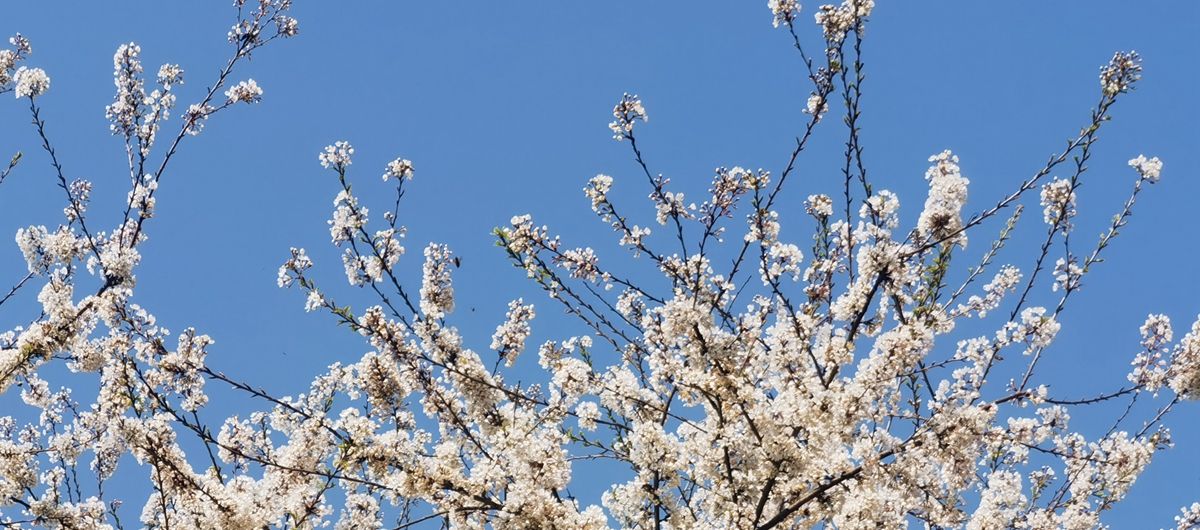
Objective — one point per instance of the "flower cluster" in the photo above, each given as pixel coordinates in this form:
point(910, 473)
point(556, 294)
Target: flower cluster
point(10, 58)
point(846, 398)
point(245, 91)
point(942, 218)
point(510, 337)
point(626, 112)
point(836, 21)
point(816, 106)
point(400, 169)
point(785, 11)
point(336, 156)
point(31, 82)
point(1058, 198)
point(136, 115)
point(1121, 73)
point(1148, 169)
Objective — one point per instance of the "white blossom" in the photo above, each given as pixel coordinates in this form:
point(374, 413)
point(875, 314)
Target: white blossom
point(1058, 198)
point(247, 91)
point(1149, 169)
point(942, 218)
point(785, 11)
point(399, 168)
point(626, 112)
point(819, 206)
point(509, 339)
point(31, 82)
point(1121, 73)
point(336, 156)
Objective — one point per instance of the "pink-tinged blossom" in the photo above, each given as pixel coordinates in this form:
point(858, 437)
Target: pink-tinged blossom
point(942, 218)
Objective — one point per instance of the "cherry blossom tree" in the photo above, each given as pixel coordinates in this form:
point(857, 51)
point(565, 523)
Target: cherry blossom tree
point(744, 381)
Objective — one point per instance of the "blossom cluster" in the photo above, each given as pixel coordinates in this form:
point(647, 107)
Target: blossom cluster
point(756, 385)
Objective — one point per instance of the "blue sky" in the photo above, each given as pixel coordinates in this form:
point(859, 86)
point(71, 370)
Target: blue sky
point(503, 111)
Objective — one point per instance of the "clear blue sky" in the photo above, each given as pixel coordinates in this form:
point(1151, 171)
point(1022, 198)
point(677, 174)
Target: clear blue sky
point(503, 110)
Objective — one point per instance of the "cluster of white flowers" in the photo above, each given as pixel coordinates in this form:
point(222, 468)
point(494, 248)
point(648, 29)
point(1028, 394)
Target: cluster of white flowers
point(250, 33)
point(669, 205)
point(597, 191)
point(9, 59)
point(137, 115)
point(836, 21)
point(784, 259)
point(819, 206)
point(626, 112)
point(400, 169)
point(294, 268)
point(141, 197)
point(835, 403)
point(764, 227)
point(348, 217)
point(195, 116)
point(1067, 274)
point(1121, 73)
point(816, 106)
point(509, 339)
point(1058, 198)
point(247, 91)
point(785, 11)
point(437, 294)
point(1185, 365)
point(1150, 369)
point(1006, 280)
point(127, 109)
point(1190, 520)
point(336, 156)
point(942, 218)
point(31, 82)
point(1149, 169)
